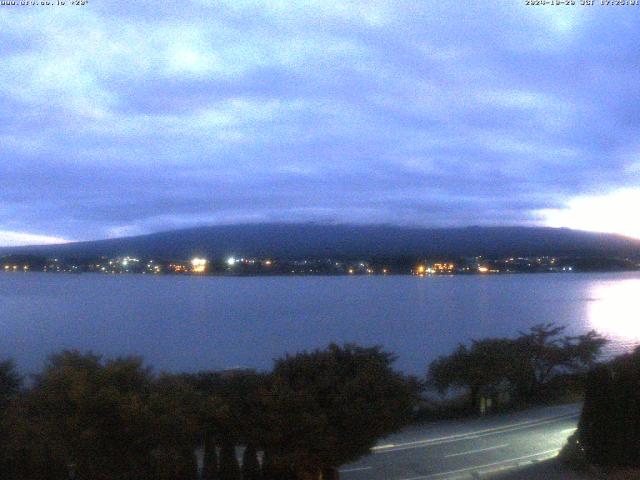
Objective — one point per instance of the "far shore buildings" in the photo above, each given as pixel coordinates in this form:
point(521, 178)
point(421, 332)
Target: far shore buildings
point(267, 265)
point(438, 268)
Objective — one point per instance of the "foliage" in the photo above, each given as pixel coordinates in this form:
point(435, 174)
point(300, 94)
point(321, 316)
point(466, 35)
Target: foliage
point(543, 353)
point(609, 427)
point(250, 465)
point(10, 383)
point(233, 410)
point(272, 469)
point(210, 461)
point(94, 419)
point(526, 364)
point(176, 409)
point(104, 420)
point(229, 468)
point(328, 407)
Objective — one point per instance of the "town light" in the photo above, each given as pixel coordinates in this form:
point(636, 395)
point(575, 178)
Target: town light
point(198, 265)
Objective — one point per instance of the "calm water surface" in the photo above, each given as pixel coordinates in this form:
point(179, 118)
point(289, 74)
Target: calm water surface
point(192, 323)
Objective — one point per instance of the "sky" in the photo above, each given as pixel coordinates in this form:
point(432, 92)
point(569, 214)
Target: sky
point(124, 118)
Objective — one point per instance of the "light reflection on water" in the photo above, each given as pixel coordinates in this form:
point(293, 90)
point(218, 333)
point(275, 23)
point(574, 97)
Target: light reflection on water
point(613, 310)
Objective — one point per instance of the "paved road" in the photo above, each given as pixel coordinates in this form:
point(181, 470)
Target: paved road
point(462, 449)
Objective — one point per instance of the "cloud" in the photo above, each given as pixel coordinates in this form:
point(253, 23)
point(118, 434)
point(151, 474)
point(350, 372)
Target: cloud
point(122, 117)
point(607, 213)
point(10, 239)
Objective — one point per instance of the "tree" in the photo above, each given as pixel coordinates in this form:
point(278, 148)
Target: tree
point(609, 426)
point(109, 419)
point(250, 465)
point(268, 469)
point(274, 470)
point(176, 408)
point(485, 364)
point(10, 383)
point(594, 427)
point(229, 468)
point(210, 463)
point(526, 363)
point(543, 353)
point(232, 414)
point(93, 417)
point(329, 407)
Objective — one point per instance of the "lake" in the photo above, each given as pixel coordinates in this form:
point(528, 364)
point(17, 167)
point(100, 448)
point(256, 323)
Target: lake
point(191, 323)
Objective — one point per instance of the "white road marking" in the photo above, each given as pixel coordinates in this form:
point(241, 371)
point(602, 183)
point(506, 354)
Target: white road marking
point(471, 435)
point(354, 469)
point(469, 452)
point(486, 465)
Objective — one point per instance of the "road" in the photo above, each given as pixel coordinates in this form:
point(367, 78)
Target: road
point(468, 449)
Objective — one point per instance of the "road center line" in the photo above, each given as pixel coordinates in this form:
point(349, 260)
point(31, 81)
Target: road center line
point(354, 469)
point(469, 452)
point(485, 466)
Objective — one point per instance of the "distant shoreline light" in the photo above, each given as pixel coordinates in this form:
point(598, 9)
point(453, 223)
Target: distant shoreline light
point(608, 213)
point(10, 238)
point(199, 265)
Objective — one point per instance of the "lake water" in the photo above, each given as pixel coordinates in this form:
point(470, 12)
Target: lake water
point(192, 323)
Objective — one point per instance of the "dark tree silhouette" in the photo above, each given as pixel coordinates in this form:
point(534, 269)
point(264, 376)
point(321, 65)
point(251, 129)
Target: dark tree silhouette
point(229, 468)
point(10, 383)
point(328, 407)
point(106, 419)
point(609, 427)
point(97, 419)
point(250, 465)
point(210, 463)
point(526, 364)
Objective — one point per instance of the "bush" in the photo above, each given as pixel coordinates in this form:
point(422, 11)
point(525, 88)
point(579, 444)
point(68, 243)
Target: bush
point(97, 419)
point(609, 427)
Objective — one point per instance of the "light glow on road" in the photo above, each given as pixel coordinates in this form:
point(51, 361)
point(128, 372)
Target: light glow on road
point(474, 434)
point(449, 450)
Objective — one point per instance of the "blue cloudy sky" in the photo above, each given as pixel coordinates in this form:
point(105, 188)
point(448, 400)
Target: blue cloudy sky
point(120, 118)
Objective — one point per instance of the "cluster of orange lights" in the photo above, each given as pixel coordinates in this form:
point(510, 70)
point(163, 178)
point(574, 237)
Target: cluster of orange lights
point(198, 265)
point(15, 268)
point(435, 268)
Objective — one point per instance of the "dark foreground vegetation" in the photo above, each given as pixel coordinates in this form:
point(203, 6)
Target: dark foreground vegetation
point(86, 418)
point(608, 433)
point(538, 366)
